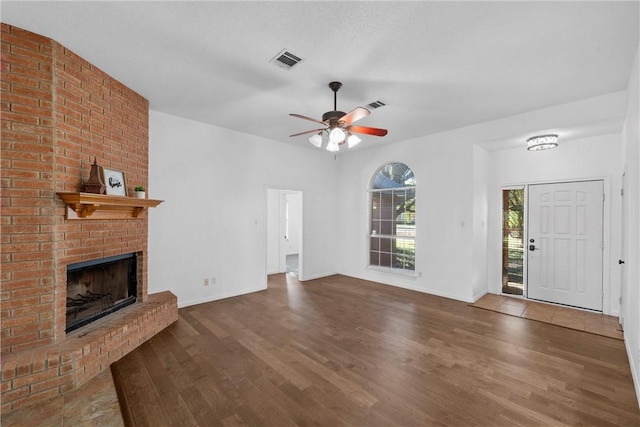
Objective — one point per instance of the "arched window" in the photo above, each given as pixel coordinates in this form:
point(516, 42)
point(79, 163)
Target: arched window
point(393, 218)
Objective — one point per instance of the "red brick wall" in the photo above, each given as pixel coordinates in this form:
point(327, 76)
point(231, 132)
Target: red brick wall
point(95, 117)
point(59, 112)
point(28, 196)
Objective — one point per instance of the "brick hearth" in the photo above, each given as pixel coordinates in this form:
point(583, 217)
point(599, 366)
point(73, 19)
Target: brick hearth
point(59, 113)
point(45, 372)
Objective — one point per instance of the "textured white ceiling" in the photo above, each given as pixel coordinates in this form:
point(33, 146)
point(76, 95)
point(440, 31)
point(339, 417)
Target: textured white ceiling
point(437, 65)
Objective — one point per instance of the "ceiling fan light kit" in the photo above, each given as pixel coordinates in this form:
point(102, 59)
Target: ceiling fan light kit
point(336, 135)
point(333, 146)
point(316, 139)
point(542, 142)
point(338, 126)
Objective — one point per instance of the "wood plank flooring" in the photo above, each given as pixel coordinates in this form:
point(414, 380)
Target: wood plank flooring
point(340, 351)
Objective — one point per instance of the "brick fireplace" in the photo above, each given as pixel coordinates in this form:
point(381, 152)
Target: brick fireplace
point(100, 287)
point(59, 113)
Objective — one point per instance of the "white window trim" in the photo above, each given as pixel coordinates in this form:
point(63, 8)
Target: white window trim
point(388, 270)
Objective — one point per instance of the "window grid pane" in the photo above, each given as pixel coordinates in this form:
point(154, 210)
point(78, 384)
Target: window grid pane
point(375, 206)
point(392, 253)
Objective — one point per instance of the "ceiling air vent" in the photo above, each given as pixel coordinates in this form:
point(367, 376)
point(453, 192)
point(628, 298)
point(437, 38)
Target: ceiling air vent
point(285, 59)
point(375, 104)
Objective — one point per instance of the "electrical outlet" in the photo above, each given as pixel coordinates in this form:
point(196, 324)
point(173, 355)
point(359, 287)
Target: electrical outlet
point(206, 281)
point(213, 280)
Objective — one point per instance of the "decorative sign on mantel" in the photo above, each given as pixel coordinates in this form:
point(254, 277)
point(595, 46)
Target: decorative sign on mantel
point(115, 182)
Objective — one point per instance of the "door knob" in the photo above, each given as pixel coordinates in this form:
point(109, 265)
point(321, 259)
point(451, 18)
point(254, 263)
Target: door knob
point(620, 261)
point(532, 247)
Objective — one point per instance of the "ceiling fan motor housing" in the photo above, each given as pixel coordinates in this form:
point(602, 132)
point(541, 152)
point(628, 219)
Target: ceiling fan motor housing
point(333, 115)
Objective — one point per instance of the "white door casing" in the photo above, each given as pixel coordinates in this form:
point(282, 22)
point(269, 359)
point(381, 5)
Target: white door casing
point(274, 231)
point(565, 243)
point(623, 239)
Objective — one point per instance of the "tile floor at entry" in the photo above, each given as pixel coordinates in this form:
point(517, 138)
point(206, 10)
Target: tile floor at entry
point(573, 318)
point(95, 404)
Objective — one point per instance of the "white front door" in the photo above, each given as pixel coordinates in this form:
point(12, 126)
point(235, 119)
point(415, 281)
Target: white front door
point(564, 244)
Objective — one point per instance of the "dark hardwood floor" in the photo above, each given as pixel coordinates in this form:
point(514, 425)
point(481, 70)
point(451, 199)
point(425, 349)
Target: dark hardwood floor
point(340, 351)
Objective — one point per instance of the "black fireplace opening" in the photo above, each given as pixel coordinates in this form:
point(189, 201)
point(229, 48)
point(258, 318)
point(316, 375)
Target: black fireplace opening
point(99, 287)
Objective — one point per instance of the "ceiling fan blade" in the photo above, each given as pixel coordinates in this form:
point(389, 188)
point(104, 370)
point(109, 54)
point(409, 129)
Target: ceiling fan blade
point(300, 116)
point(367, 130)
point(354, 115)
point(309, 131)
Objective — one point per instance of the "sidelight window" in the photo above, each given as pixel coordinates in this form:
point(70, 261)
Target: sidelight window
point(513, 241)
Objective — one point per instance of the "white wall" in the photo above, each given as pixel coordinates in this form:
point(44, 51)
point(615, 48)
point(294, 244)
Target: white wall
point(443, 167)
point(212, 223)
point(578, 159)
point(457, 188)
point(631, 162)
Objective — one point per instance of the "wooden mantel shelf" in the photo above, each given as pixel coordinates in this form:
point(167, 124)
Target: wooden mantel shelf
point(101, 206)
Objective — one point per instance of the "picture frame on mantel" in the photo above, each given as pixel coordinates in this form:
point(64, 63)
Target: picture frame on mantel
point(115, 182)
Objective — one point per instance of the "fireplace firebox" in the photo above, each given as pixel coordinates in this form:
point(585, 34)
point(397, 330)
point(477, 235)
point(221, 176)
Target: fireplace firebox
point(99, 287)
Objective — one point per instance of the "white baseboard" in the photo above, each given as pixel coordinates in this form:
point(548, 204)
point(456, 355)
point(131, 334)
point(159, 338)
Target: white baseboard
point(634, 370)
point(477, 296)
point(216, 297)
point(443, 294)
point(315, 276)
point(398, 284)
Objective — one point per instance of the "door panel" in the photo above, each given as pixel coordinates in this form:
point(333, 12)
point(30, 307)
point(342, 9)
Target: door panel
point(565, 243)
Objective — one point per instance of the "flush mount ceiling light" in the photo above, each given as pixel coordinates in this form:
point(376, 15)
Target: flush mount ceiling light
point(542, 142)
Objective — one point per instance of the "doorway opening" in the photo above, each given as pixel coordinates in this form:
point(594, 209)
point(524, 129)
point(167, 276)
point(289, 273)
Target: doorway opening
point(284, 231)
point(293, 265)
point(512, 241)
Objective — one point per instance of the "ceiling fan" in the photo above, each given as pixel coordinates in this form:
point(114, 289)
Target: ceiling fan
point(338, 126)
